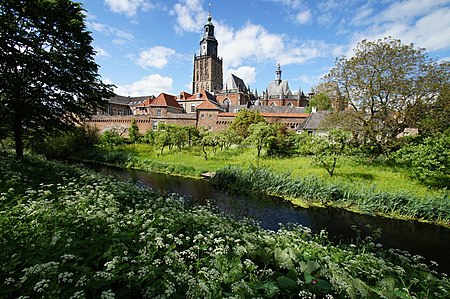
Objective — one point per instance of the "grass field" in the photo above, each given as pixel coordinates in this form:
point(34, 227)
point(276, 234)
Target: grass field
point(357, 172)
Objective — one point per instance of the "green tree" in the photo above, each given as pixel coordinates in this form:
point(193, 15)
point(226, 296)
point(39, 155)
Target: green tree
point(282, 144)
point(243, 120)
point(320, 101)
point(162, 139)
point(133, 132)
point(382, 82)
point(111, 138)
point(327, 149)
point(429, 160)
point(227, 137)
point(48, 77)
point(207, 140)
point(259, 135)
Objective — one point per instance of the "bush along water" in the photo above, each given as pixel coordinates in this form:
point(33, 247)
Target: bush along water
point(69, 233)
point(434, 208)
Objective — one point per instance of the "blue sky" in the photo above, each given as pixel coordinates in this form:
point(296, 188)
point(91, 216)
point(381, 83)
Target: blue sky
point(146, 47)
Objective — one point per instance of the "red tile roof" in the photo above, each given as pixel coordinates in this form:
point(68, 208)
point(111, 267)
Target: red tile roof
point(165, 100)
point(202, 95)
point(184, 95)
point(208, 105)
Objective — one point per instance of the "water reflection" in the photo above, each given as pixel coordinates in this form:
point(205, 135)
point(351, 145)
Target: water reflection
point(430, 241)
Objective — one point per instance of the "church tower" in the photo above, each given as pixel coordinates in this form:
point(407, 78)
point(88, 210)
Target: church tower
point(207, 66)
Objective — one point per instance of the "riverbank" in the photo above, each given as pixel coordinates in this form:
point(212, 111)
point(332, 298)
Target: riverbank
point(369, 189)
point(69, 232)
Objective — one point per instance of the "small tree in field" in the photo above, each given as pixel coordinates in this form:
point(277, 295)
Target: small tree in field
point(207, 140)
point(259, 134)
point(327, 149)
point(133, 132)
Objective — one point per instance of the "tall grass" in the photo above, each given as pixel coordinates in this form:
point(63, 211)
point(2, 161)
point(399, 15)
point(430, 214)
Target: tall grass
point(434, 207)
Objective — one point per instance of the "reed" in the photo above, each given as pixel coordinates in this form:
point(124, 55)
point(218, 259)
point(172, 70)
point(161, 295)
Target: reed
point(311, 189)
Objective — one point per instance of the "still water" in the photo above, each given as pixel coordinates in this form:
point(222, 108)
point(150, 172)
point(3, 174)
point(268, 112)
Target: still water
point(430, 241)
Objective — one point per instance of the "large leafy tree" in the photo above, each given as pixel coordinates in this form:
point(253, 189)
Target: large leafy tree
point(48, 77)
point(382, 82)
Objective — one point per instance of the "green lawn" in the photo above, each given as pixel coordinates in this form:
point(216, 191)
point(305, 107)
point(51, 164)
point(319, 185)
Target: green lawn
point(357, 172)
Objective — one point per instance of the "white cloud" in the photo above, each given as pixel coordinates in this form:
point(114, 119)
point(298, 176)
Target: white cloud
point(289, 3)
point(155, 57)
point(307, 51)
point(127, 7)
point(410, 9)
point(250, 42)
point(190, 16)
point(303, 17)
point(100, 52)
point(149, 85)
point(431, 31)
point(122, 36)
point(246, 73)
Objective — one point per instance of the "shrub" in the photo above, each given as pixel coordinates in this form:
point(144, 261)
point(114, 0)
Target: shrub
point(428, 161)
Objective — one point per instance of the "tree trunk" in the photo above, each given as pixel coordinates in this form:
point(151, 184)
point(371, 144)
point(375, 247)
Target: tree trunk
point(18, 134)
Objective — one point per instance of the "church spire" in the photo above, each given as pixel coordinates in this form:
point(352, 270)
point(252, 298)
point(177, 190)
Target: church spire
point(208, 44)
point(278, 72)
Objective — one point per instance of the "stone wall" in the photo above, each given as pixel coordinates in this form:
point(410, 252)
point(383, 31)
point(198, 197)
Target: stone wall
point(144, 122)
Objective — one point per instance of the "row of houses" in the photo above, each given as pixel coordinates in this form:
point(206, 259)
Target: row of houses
point(201, 110)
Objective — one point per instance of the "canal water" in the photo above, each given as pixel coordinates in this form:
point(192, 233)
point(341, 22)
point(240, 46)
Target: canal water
point(429, 241)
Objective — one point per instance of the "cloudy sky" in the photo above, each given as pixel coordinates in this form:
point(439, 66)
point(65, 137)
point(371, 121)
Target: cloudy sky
point(146, 47)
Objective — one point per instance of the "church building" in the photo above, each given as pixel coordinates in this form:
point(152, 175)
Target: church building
point(207, 66)
point(211, 105)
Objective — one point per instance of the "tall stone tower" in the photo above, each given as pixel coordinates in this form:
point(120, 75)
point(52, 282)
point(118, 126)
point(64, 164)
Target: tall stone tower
point(207, 66)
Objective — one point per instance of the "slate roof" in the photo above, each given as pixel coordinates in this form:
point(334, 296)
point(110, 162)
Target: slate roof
point(234, 82)
point(278, 87)
point(279, 109)
point(123, 100)
point(314, 120)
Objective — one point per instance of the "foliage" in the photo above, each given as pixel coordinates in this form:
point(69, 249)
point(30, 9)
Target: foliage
point(282, 144)
point(260, 134)
point(327, 149)
point(434, 208)
point(67, 232)
point(206, 141)
point(434, 117)
point(428, 161)
point(227, 137)
point(133, 132)
point(242, 121)
point(49, 79)
point(383, 82)
point(111, 138)
point(320, 101)
point(64, 145)
point(170, 135)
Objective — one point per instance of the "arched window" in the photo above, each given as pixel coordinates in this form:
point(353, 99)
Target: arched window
point(227, 104)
